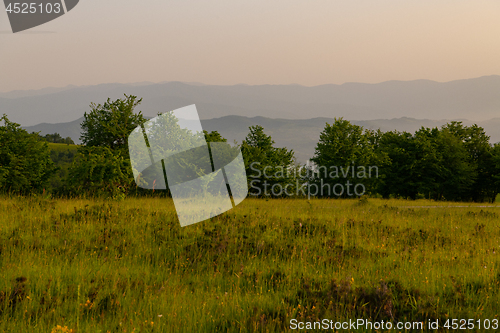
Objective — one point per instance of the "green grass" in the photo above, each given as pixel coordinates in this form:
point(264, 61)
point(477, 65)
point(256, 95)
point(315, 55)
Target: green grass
point(128, 266)
point(62, 147)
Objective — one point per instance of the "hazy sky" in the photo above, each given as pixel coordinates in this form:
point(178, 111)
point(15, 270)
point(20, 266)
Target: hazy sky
point(309, 42)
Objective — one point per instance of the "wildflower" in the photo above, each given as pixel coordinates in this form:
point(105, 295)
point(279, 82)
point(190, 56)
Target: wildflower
point(61, 329)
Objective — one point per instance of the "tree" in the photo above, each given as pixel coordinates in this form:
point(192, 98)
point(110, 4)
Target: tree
point(99, 170)
point(214, 136)
point(495, 153)
point(110, 124)
point(266, 166)
point(227, 159)
point(25, 163)
point(102, 163)
point(63, 159)
point(398, 179)
point(432, 163)
point(427, 163)
point(345, 160)
point(453, 180)
point(479, 149)
point(57, 138)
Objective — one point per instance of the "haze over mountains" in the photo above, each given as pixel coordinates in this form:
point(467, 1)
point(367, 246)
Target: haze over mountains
point(475, 99)
point(293, 115)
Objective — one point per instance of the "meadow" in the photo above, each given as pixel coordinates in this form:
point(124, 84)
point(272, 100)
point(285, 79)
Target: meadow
point(81, 265)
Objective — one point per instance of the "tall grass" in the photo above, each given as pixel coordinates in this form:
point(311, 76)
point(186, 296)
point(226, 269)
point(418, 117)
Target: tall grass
point(128, 266)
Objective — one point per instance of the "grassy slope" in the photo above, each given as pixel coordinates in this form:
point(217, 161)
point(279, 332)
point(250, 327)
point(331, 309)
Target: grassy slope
point(100, 266)
point(62, 147)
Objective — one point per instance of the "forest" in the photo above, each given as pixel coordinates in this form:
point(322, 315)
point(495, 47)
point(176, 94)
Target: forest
point(454, 162)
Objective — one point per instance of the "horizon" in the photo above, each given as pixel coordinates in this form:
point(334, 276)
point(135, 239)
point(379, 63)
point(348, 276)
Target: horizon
point(313, 118)
point(146, 83)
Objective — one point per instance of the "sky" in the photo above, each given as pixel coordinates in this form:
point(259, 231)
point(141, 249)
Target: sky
point(306, 42)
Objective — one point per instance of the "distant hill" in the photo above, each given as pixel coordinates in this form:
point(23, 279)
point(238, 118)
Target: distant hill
point(301, 135)
point(476, 99)
point(71, 129)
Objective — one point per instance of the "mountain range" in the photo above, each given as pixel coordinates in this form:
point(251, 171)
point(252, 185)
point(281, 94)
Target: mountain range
point(475, 99)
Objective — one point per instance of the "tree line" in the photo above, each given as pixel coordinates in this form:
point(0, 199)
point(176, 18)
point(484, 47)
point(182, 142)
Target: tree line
point(454, 162)
point(56, 138)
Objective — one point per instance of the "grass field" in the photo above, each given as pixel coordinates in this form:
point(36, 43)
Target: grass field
point(127, 266)
point(62, 147)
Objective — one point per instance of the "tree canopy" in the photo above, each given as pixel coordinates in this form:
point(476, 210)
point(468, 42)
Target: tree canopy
point(25, 164)
point(266, 165)
point(110, 124)
point(102, 164)
point(343, 152)
point(57, 138)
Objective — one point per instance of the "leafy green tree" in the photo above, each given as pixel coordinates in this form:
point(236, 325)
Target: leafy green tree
point(440, 168)
point(173, 152)
point(214, 136)
point(267, 166)
point(432, 163)
point(102, 164)
point(480, 159)
point(495, 170)
point(63, 159)
point(427, 164)
point(100, 171)
point(25, 164)
point(398, 179)
point(378, 160)
point(226, 158)
point(453, 180)
point(110, 124)
point(345, 160)
point(57, 138)
point(54, 138)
